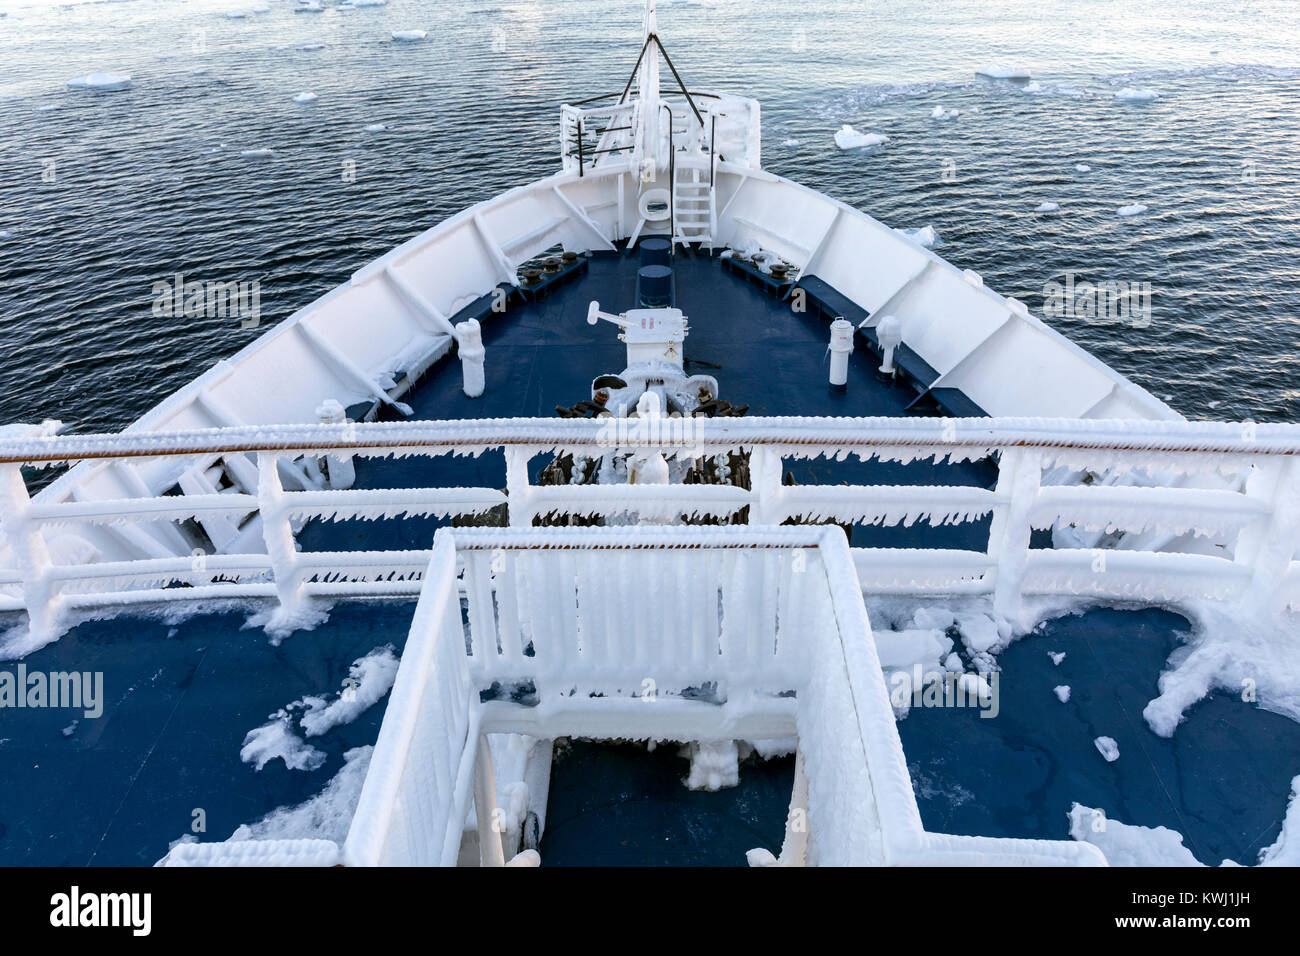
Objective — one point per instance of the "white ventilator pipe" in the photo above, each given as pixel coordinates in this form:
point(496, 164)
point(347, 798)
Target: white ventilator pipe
point(342, 473)
point(469, 343)
point(889, 333)
point(841, 346)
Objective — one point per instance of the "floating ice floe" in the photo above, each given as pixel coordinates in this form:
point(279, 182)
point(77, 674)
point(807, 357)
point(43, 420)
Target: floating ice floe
point(1132, 94)
point(846, 137)
point(235, 14)
point(310, 47)
point(350, 4)
point(1000, 71)
point(5, 234)
point(1107, 747)
point(940, 113)
point(925, 237)
point(1047, 207)
point(792, 142)
point(1082, 168)
point(309, 6)
point(1133, 209)
point(261, 8)
point(1062, 692)
point(306, 97)
point(409, 36)
point(376, 128)
point(104, 82)
point(261, 153)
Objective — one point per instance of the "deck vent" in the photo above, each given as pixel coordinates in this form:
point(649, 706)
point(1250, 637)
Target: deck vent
point(655, 287)
point(656, 252)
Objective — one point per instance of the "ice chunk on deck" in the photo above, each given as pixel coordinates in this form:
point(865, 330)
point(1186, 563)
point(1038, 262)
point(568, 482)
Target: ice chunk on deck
point(1001, 71)
point(370, 678)
point(1057, 657)
point(409, 36)
point(104, 82)
point(1127, 845)
point(846, 137)
point(1107, 747)
point(1133, 209)
point(1062, 692)
point(1132, 94)
point(1285, 850)
point(276, 739)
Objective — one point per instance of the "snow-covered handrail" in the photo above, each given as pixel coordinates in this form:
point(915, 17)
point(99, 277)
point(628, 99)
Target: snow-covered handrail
point(1255, 524)
point(976, 436)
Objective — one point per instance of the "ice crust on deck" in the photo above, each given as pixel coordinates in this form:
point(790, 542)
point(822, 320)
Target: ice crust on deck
point(846, 137)
point(370, 678)
point(1285, 850)
point(1062, 692)
point(1108, 748)
point(1127, 845)
point(276, 739)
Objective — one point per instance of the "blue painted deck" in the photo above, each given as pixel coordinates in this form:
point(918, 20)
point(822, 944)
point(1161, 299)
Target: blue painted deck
point(181, 698)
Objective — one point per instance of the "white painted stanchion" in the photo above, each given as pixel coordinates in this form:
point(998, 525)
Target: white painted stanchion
point(340, 469)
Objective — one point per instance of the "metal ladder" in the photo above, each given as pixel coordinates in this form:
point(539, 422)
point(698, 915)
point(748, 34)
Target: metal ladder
point(693, 207)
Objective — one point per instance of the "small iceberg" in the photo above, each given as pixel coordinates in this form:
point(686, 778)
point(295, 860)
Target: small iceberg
point(999, 71)
point(1107, 747)
point(846, 137)
point(1133, 95)
point(261, 153)
point(1082, 168)
point(1133, 209)
point(409, 36)
point(1047, 207)
point(376, 128)
point(103, 82)
point(308, 6)
point(925, 237)
point(306, 97)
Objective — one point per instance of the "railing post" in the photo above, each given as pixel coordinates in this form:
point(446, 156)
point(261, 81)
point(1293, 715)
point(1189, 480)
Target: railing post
point(29, 549)
point(490, 850)
point(278, 533)
point(518, 490)
point(765, 490)
point(1269, 550)
point(1020, 475)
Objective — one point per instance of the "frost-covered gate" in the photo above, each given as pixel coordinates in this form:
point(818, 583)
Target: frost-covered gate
point(666, 633)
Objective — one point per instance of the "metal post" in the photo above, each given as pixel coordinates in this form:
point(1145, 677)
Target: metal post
point(1020, 474)
point(490, 851)
point(277, 531)
point(31, 553)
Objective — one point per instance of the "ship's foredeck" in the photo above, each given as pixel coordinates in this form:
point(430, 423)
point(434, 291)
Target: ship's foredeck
point(180, 696)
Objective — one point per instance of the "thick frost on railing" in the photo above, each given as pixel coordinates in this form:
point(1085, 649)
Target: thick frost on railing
point(54, 553)
point(684, 634)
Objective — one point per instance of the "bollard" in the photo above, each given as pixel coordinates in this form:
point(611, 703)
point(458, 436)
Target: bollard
point(841, 346)
point(469, 341)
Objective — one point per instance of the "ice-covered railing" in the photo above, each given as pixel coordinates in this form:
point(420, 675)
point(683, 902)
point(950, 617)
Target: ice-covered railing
point(667, 633)
point(1254, 529)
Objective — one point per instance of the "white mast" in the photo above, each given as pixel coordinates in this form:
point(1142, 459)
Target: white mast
point(648, 85)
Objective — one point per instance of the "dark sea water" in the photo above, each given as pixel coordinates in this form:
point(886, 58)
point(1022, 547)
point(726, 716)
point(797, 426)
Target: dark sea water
point(103, 194)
